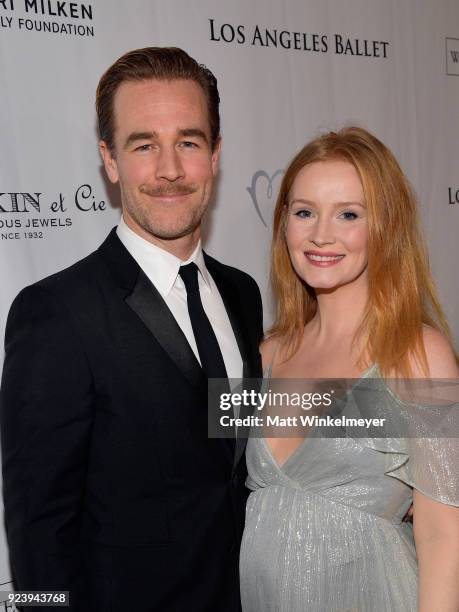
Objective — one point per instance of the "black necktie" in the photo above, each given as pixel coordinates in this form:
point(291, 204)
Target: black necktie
point(208, 348)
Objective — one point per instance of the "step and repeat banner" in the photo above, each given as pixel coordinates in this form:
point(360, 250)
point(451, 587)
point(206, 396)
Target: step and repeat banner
point(287, 70)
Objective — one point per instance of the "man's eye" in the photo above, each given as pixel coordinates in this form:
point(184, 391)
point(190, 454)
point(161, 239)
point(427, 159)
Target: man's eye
point(144, 147)
point(303, 213)
point(348, 214)
point(187, 144)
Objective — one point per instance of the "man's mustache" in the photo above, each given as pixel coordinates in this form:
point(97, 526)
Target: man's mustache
point(168, 190)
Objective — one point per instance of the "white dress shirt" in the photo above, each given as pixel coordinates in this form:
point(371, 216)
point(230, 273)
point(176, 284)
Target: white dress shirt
point(162, 268)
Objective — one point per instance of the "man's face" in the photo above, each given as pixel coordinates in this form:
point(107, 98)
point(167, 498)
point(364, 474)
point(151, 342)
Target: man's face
point(162, 157)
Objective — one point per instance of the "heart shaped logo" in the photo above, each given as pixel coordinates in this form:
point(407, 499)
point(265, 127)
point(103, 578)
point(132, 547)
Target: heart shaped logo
point(258, 202)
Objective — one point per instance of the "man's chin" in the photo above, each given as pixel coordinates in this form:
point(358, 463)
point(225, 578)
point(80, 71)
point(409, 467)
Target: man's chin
point(172, 233)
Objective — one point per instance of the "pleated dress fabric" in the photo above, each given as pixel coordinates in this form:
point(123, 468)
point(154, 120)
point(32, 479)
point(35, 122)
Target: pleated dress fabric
point(325, 532)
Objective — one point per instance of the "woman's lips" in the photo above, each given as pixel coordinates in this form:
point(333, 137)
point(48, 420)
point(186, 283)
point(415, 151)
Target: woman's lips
point(323, 260)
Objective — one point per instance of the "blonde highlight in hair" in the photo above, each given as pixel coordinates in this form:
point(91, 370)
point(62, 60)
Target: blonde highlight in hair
point(401, 292)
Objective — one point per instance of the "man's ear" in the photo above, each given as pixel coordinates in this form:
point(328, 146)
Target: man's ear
point(110, 164)
point(216, 156)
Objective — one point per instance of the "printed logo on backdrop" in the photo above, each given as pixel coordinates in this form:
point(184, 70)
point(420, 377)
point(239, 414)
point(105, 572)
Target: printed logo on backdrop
point(47, 16)
point(33, 215)
point(453, 195)
point(338, 44)
point(263, 192)
point(452, 56)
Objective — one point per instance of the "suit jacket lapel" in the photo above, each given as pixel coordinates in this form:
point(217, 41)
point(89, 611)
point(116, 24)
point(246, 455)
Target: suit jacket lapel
point(150, 307)
point(235, 314)
point(147, 303)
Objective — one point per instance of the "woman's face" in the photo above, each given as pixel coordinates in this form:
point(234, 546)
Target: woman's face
point(327, 225)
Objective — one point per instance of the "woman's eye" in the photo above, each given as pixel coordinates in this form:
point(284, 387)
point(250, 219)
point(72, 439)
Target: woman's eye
point(348, 214)
point(303, 214)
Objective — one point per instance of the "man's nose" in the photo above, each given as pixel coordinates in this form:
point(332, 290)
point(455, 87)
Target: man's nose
point(169, 165)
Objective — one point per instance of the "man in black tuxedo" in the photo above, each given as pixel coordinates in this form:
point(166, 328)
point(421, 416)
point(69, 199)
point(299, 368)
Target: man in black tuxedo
point(113, 489)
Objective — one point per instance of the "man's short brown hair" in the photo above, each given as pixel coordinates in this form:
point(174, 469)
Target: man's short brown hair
point(163, 64)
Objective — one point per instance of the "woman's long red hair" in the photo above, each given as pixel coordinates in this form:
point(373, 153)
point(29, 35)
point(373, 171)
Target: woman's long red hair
point(402, 296)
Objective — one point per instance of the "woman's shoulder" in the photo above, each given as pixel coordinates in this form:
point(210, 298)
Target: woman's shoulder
point(441, 359)
point(269, 349)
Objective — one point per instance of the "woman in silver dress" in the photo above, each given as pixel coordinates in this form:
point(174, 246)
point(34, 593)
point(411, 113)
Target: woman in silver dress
point(325, 528)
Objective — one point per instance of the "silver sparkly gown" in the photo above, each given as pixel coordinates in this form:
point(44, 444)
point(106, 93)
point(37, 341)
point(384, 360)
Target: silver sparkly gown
point(325, 533)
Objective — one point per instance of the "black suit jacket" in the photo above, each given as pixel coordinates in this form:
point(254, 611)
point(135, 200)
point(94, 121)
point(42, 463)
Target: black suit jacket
point(112, 488)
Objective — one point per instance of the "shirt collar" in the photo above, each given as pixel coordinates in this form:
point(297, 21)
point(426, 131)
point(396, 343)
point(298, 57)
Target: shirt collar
point(198, 258)
point(160, 266)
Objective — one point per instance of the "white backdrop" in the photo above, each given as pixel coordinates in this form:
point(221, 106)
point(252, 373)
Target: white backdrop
point(287, 69)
